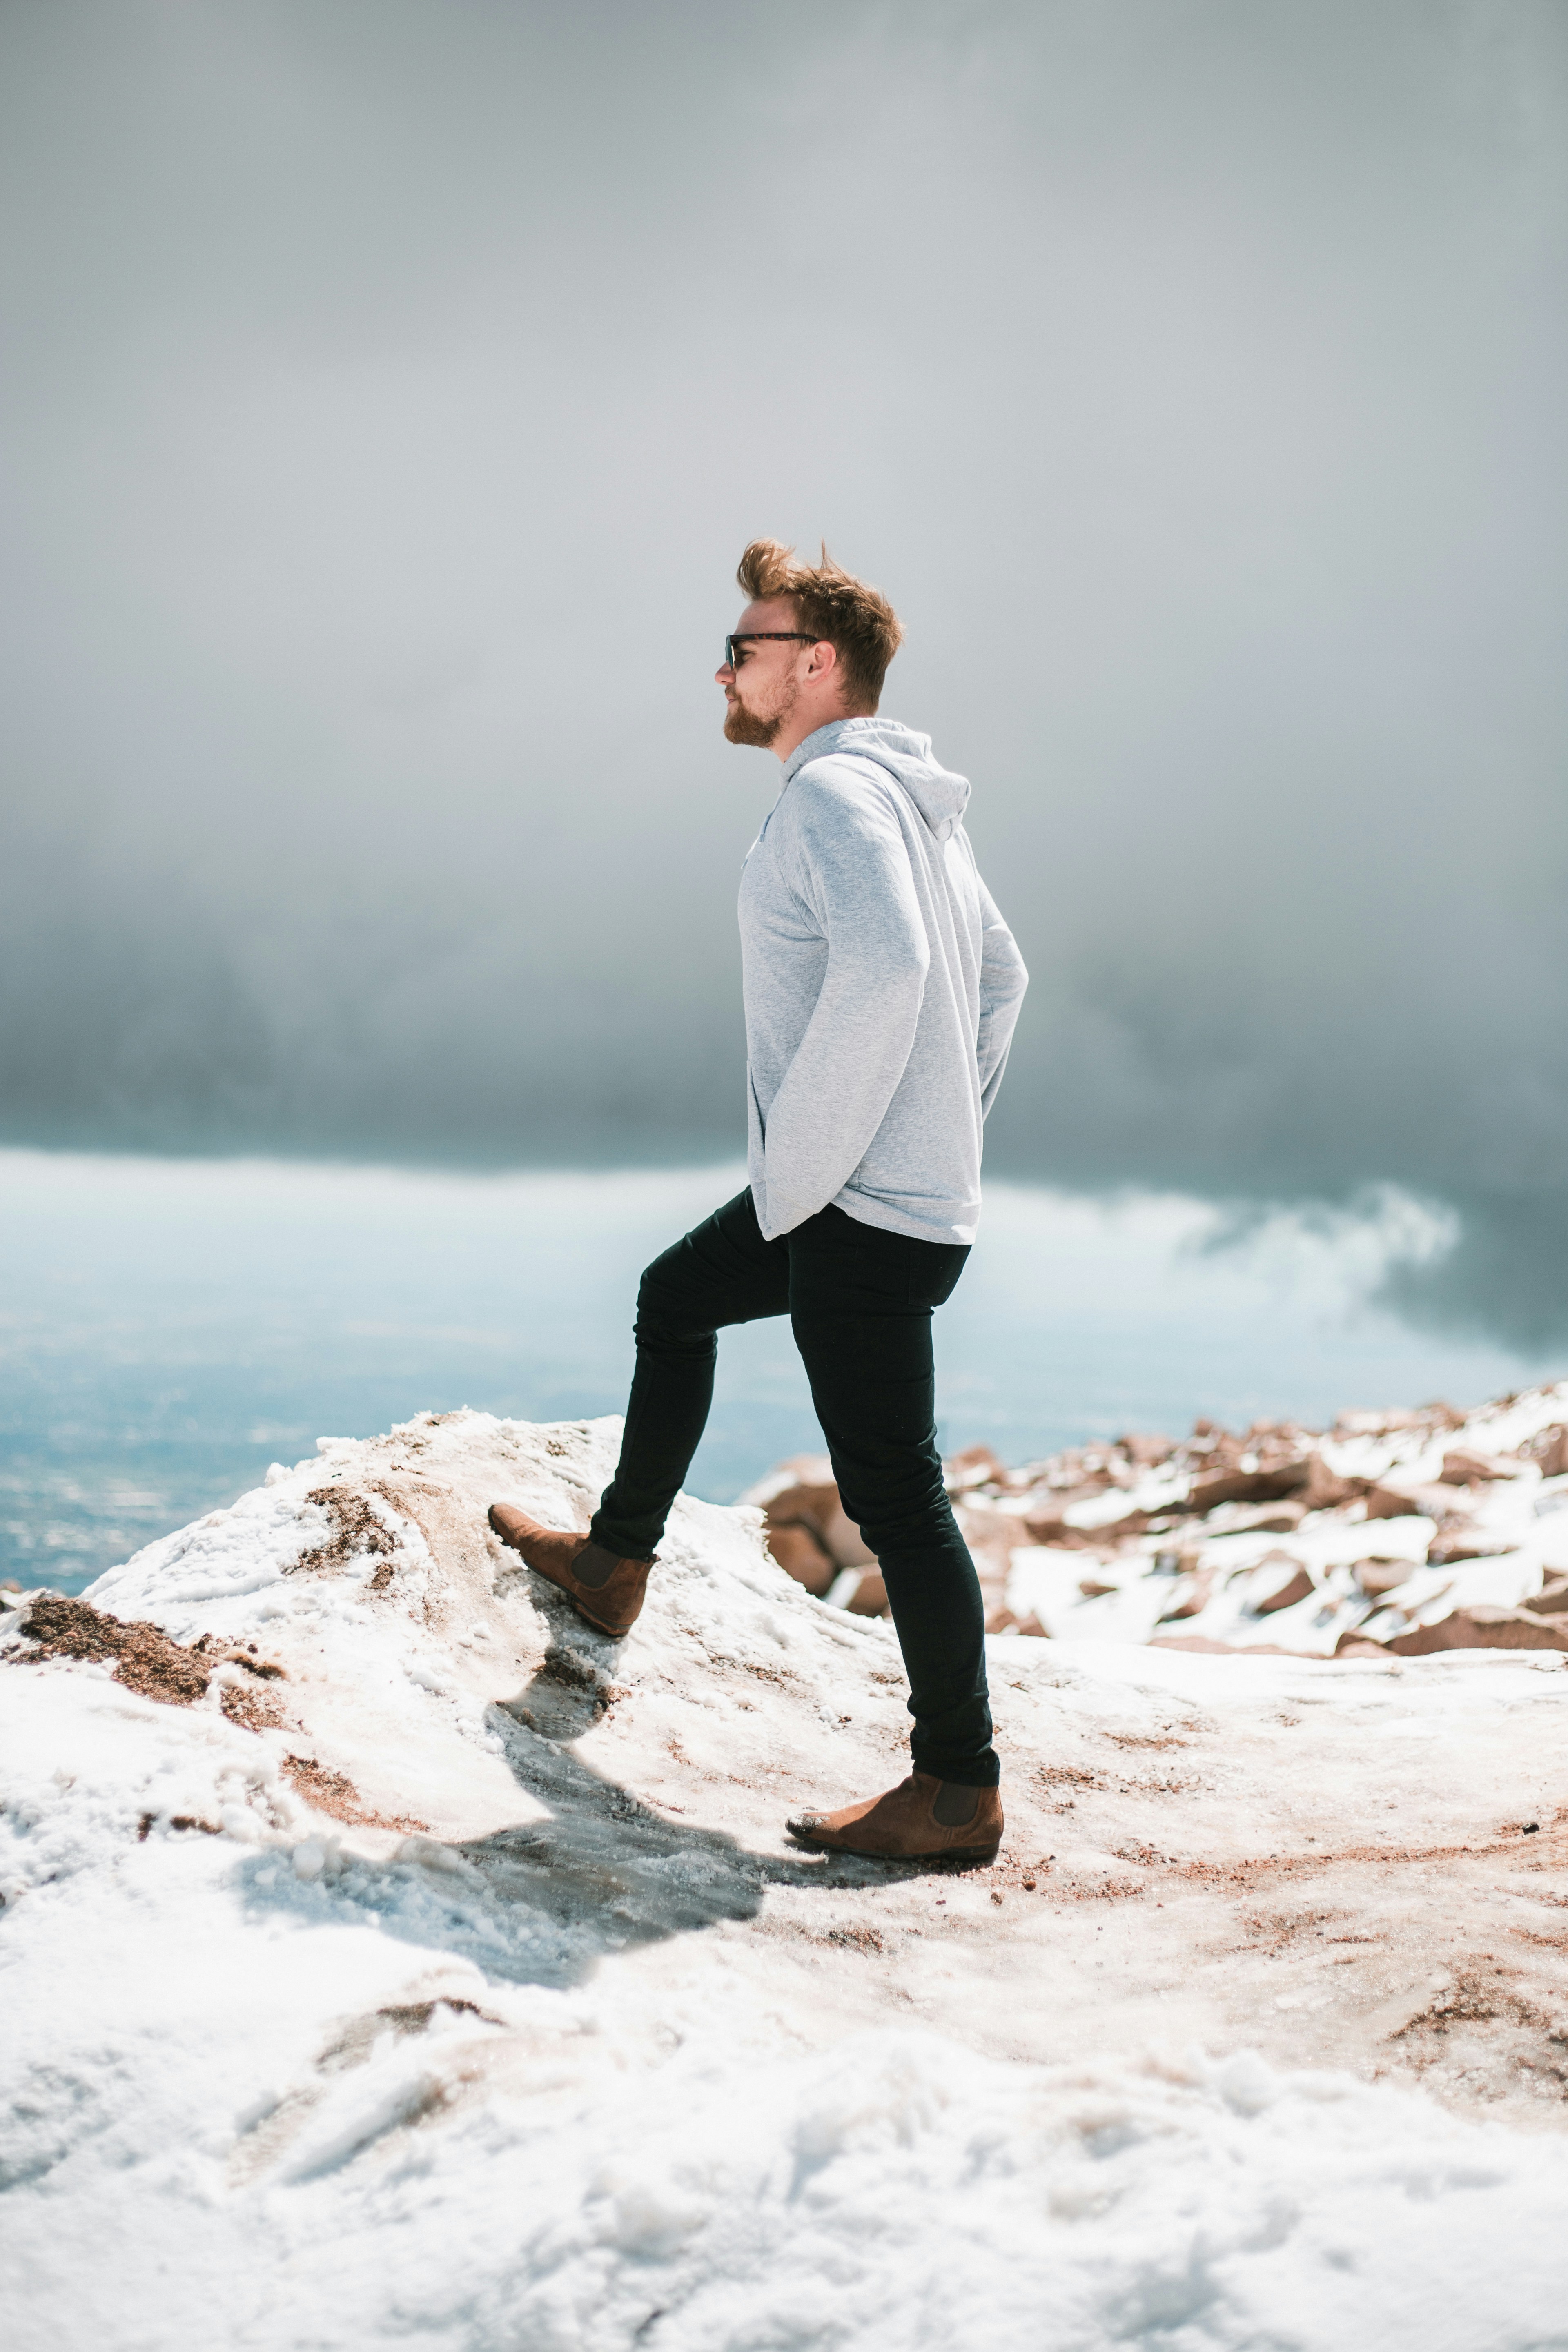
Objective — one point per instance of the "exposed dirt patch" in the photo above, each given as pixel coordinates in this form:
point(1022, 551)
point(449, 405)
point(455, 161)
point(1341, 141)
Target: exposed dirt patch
point(774, 1675)
point(252, 1711)
point(352, 2045)
point(1248, 1872)
point(855, 1939)
point(1101, 1890)
point(573, 1672)
point(1478, 1999)
point(356, 1528)
point(1063, 1783)
point(1140, 1851)
point(145, 1659)
point(1276, 1931)
point(1164, 1784)
point(246, 1655)
point(413, 2016)
point(1140, 1739)
point(568, 1666)
point(178, 1822)
point(334, 1793)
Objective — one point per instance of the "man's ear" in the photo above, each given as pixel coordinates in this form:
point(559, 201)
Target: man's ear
point(824, 661)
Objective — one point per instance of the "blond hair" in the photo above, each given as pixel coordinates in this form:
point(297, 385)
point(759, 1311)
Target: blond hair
point(850, 616)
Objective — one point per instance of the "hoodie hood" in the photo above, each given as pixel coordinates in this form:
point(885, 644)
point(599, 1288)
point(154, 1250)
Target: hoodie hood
point(940, 795)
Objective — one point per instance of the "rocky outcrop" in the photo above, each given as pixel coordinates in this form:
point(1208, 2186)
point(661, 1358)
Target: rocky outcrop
point(1298, 1586)
point(1101, 1529)
point(807, 1529)
point(1483, 1629)
point(1461, 1468)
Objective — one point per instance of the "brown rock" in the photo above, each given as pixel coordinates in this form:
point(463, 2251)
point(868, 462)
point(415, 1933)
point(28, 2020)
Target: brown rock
point(1419, 1501)
point(1386, 1503)
point(1358, 1645)
point(1549, 1447)
point(1130, 1523)
point(1147, 1451)
point(1462, 1468)
point(1551, 1600)
point(1248, 1486)
point(1003, 1620)
point(813, 1503)
point(800, 1552)
point(1262, 1519)
point(1054, 1502)
point(1481, 1628)
point(1463, 1543)
point(1044, 1528)
point(991, 1534)
point(1048, 1496)
point(1092, 1589)
point(869, 1598)
point(1295, 1588)
point(1325, 1489)
point(977, 1465)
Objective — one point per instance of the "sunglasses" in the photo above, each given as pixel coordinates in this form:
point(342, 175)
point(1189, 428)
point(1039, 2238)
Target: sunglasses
point(755, 636)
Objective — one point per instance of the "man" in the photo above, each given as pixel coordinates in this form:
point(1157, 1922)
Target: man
point(881, 988)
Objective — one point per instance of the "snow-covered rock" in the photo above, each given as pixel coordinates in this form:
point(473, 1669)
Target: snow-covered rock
point(440, 1972)
point(1381, 1529)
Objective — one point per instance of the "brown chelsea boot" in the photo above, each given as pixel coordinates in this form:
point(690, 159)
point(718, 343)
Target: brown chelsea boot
point(607, 1592)
point(923, 1818)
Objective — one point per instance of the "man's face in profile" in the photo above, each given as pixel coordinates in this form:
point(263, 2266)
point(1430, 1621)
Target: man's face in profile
point(761, 689)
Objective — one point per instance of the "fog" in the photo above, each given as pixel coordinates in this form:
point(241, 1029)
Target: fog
point(389, 391)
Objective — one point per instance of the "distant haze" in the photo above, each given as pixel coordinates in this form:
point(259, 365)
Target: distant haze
point(389, 392)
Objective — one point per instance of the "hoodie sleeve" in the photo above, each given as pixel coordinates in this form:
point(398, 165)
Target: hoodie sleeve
point(1003, 981)
point(850, 870)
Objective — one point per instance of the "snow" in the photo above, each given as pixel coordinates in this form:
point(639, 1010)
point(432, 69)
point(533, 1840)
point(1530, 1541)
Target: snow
point(545, 2036)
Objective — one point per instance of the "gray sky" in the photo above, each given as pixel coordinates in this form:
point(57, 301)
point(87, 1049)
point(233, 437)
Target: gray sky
point(389, 391)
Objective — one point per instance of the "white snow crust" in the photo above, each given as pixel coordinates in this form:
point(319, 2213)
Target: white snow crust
point(504, 2018)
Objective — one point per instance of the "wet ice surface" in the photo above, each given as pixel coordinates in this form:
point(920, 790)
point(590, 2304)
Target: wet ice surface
point(1258, 2032)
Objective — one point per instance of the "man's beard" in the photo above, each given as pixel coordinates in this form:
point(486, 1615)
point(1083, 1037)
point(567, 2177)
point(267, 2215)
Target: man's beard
point(743, 726)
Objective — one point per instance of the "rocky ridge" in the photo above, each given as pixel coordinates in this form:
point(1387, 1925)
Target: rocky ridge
point(1392, 1534)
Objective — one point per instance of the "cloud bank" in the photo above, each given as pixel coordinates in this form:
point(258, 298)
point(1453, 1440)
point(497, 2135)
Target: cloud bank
point(391, 389)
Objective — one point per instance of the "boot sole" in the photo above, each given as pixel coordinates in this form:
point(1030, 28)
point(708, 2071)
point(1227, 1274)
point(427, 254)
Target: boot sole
point(975, 1854)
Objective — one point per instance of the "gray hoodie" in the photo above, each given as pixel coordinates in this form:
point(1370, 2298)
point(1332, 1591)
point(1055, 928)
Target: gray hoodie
point(881, 990)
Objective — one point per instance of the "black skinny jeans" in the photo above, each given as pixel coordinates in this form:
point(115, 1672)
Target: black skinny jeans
point(860, 1300)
